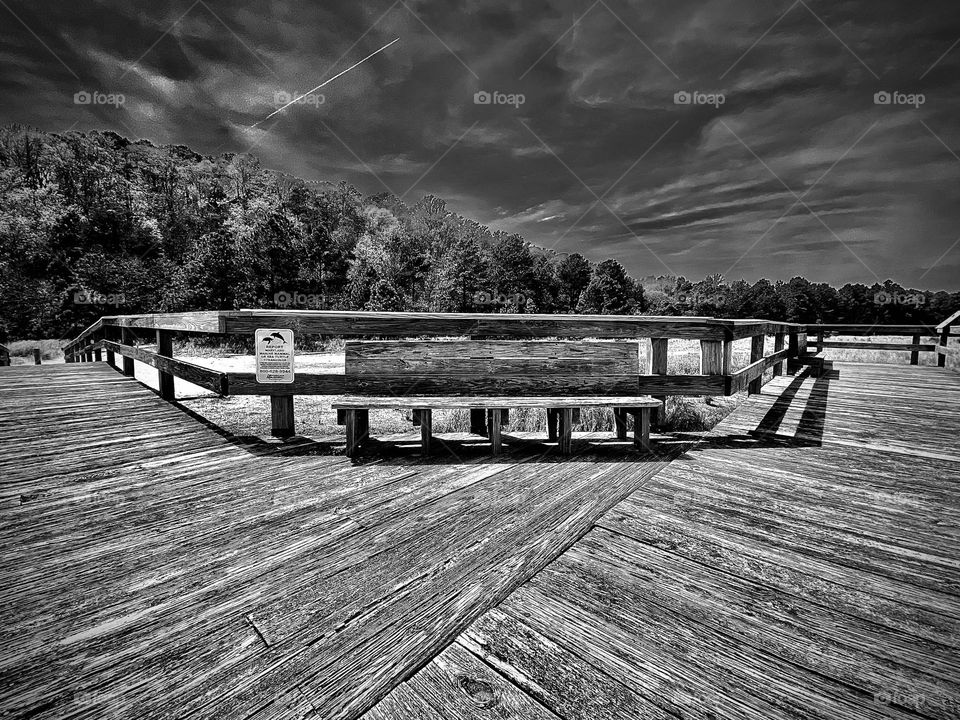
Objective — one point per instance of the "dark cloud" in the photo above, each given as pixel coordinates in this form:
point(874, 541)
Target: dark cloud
point(797, 171)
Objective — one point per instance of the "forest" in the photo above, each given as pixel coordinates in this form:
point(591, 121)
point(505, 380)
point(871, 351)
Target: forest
point(94, 224)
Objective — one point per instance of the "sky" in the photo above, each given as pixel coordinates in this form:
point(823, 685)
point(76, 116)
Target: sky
point(749, 138)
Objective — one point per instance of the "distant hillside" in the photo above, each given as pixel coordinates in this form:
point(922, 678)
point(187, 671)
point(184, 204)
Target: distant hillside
point(94, 224)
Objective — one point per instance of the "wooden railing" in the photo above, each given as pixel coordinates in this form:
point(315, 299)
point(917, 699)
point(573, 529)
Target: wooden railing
point(936, 336)
point(4, 356)
point(117, 336)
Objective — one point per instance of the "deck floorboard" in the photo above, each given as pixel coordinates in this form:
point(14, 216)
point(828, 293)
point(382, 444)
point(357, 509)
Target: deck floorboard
point(799, 562)
point(156, 567)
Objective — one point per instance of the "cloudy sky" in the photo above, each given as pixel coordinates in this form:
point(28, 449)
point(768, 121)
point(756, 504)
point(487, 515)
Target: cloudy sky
point(783, 161)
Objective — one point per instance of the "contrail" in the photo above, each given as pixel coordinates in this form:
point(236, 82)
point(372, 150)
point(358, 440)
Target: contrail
point(325, 82)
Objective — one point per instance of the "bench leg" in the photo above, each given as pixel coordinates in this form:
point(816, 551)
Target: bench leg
point(358, 427)
point(641, 429)
point(426, 428)
point(552, 418)
point(478, 422)
point(620, 423)
point(566, 431)
point(493, 428)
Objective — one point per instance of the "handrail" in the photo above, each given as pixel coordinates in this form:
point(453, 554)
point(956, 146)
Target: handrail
point(115, 335)
point(916, 333)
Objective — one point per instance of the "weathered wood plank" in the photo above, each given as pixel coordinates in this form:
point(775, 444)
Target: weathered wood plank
point(169, 366)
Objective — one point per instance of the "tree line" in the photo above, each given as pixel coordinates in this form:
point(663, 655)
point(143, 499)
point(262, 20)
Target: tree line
point(94, 224)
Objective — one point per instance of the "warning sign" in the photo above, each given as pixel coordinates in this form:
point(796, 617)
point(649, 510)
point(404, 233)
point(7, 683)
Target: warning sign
point(274, 355)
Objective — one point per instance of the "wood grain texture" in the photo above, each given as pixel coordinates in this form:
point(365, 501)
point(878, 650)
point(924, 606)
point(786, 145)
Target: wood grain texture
point(483, 368)
point(157, 569)
point(801, 561)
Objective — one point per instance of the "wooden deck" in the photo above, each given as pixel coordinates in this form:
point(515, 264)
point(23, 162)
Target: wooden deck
point(803, 561)
point(153, 567)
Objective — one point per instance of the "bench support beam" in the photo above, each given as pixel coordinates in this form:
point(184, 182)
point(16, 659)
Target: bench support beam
point(620, 423)
point(424, 418)
point(566, 431)
point(493, 429)
point(641, 429)
point(358, 427)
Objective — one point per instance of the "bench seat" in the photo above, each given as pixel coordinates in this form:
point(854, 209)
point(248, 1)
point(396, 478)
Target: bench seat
point(560, 414)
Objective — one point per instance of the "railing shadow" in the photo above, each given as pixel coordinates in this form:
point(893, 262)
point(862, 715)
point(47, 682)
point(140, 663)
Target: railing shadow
point(766, 434)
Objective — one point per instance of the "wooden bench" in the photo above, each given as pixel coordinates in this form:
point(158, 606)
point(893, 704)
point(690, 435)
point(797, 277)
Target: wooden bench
point(490, 377)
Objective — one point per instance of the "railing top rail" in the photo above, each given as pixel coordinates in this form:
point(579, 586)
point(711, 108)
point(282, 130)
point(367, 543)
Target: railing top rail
point(949, 321)
point(400, 324)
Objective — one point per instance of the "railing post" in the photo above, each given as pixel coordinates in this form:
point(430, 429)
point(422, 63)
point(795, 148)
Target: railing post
point(658, 366)
point(98, 354)
point(36, 356)
point(715, 357)
point(281, 416)
point(88, 350)
point(165, 349)
point(126, 337)
point(915, 354)
point(110, 334)
point(944, 337)
point(777, 347)
point(756, 353)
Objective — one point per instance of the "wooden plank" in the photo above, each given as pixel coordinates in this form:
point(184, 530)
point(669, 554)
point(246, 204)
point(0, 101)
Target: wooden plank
point(913, 347)
point(641, 429)
point(426, 429)
point(416, 324)
point(464, 688)
point(740, 379)
point(490, 368)
point(945, 325)
point(165, 379)
point(193, 374)
point(571, 686)
point(199, 322)
point(303, 384)
point(620, 423)
point(872, 329)
point(508, 357)
point(126, 348)
point(658, 366)
point(711, 357)
point(281, 416)
point(565, 440)
point(493, 430)
point(500, 403)
point(756, 355)
point(778, 342)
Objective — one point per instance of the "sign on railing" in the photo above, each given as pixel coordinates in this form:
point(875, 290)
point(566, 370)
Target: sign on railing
point(274, 352)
